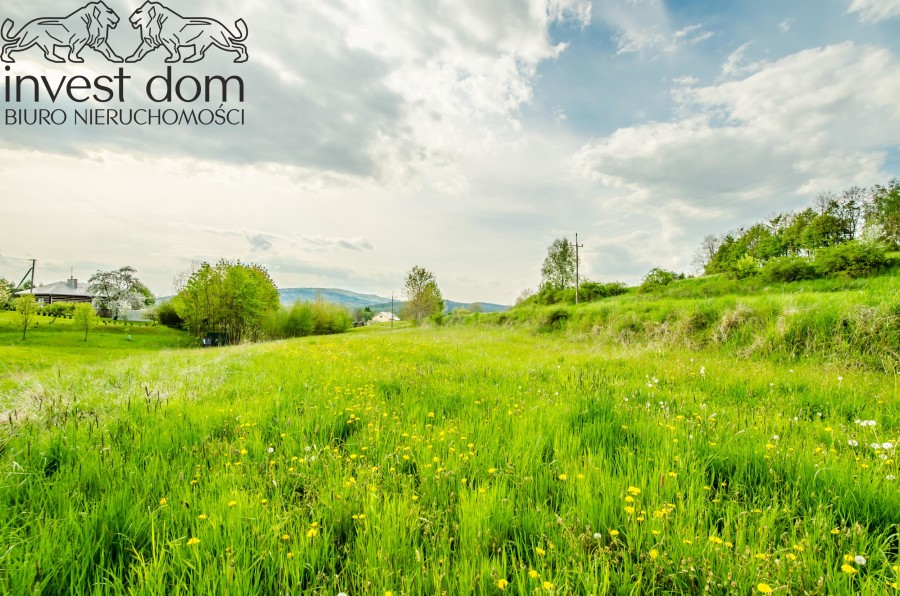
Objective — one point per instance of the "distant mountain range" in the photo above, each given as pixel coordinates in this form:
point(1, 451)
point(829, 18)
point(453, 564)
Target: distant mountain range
point(354, 300)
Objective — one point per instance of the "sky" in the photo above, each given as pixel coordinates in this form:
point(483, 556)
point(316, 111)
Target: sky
point(462, 136)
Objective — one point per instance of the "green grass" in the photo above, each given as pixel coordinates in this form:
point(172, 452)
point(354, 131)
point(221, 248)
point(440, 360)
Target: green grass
point(56, 344)
point(445, 460)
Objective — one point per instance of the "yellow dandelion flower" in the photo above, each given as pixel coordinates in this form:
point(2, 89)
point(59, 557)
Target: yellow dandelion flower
point(849, 570)
point(312, 533)
point(629, 510)
point(835, 531)
point(285, 537)
point(202, 516)
point(533, 574)
point(613, 533)
point(243, 452)
point(193, 541)
point(764, 588)
point(163, 501)
point(232, 503)
point(502, 583)
point(654, 554)
point(541, 552)
point(492, 470)
point(848, 558)
point(290, 555)
point(563, 477)
point(548, 586)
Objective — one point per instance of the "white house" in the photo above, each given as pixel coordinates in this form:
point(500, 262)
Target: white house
point(384, 317)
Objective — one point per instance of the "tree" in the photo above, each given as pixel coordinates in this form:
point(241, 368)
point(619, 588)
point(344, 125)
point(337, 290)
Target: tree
point(558, 270)
point(6, 291)
point(26, 308)
point(229, 297)
point(882, 213)
point(84, 318)
point(117, 291)
point(705, 253)
point(423, 297)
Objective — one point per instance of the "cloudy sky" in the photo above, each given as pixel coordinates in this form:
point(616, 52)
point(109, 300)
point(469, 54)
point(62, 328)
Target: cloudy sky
point(463, 136)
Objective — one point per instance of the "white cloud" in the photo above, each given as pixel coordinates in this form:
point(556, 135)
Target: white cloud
point(758, 144)
point(874, 11)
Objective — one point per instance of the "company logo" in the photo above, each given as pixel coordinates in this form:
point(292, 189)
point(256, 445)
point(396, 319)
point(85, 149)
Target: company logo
point(159, 26)
point(86, 27)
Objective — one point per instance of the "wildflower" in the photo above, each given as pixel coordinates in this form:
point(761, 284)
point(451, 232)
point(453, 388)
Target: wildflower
point(563, 477)
point(312, 533)
point(853, 442)
point(890, 477)
point(613, 533)
point(541, 552)
point(633, 490)
point(828, 429)
point(163, 501)
point(193, 541)
point(285, 537)
point(290, 555)
point(849, 570)
point(271, 450)
point(502, 583)
point(887, 445)
point(232, 503)
point(492, 470)
point(243, 452)
point(533, 574)
point(835, 531)
point(764, 588)
point(860, 560)
point(654, 554)
point(548, 586)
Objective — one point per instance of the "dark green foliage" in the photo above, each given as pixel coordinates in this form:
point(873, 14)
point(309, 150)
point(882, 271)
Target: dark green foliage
point(589, 291)
point(168, 316)
point(851, 259)
point(784, 269)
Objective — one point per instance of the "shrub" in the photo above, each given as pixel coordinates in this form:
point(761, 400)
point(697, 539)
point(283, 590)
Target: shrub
point(592, 290)
point(788, 269)
point(168, 316)
point(58, 309)
point(658, 278)
point(851, 259)
point(746, 266)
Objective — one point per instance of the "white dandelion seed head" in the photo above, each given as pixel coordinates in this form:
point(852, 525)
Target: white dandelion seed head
point(860, 560)
point(271, 450)
point(853, 442)
point(887, 445)
point(890, 477)
point(597, 535)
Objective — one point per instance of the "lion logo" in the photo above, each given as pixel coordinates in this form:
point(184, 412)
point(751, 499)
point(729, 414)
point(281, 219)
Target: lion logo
point(86, 27)
point(162, 26)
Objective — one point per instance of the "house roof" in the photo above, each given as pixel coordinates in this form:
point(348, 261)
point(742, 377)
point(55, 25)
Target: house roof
point(60, 288)
point(388, 316)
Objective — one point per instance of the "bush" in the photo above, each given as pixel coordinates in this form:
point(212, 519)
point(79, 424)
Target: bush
point(788, 269)
point(58, 309)
point(168, 316)
point(851, 259)
point(592, 290)
point(658, 278)
point(746, 266)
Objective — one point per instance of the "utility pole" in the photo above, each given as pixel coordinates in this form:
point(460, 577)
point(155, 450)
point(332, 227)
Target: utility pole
point(577, 266)
point(392, 310)
point(27, 273)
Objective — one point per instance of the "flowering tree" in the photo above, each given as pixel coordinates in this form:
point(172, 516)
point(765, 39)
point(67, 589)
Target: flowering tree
point(117, 291)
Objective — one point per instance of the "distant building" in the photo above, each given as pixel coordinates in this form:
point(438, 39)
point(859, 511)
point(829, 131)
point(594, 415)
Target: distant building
point(61, 291)
point(384, 317)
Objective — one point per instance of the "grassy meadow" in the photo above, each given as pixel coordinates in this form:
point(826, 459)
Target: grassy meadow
point(629, 446)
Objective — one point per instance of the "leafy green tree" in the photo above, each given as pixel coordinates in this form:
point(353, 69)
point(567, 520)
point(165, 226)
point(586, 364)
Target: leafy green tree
point(84, 318)
point(558, 270)
point(423, 297)
point(882, 212)
point(27, 309)
point(119, 290)
point(229, 297)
